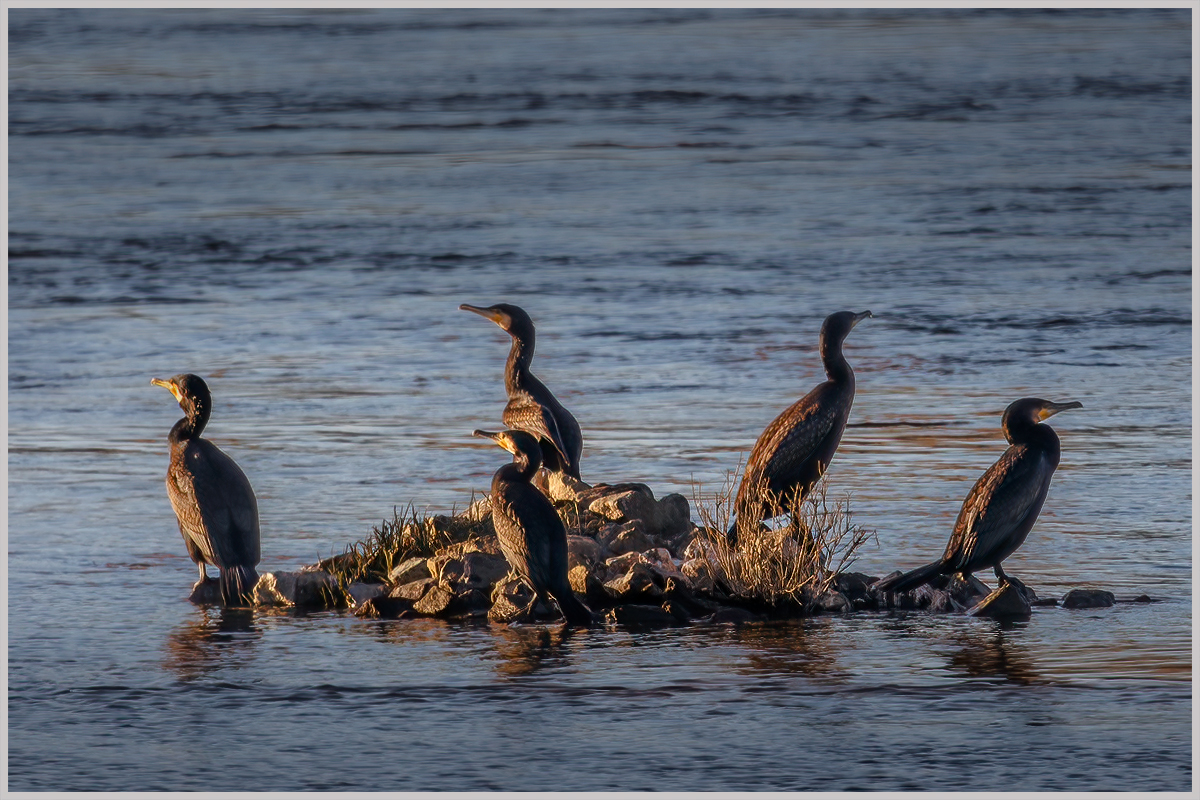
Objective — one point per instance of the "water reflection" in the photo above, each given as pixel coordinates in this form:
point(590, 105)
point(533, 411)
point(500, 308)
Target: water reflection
point(994, 652)
point(804, 648)
point(524, 650)
point(215, 639)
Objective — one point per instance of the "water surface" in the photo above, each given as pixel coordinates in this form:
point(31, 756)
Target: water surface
point(293, 204)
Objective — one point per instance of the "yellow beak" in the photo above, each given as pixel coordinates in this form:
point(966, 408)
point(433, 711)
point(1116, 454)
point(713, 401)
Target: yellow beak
point(172, 388)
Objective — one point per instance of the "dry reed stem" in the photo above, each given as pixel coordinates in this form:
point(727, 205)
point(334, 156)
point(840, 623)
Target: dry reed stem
point(796, 561)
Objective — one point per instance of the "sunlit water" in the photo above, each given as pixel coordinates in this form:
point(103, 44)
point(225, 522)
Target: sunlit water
point(294, 204)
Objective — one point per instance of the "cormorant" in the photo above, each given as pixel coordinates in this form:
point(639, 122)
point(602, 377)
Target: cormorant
point(1004, 503)
point(530, 531)
point(531, 406)
point(213, 500)
point(794, 451)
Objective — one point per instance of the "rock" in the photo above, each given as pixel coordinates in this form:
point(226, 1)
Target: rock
point(505, 610)
point(599, 490)
point(445, 567)
point(979, 587)
point(659, 556)
point(853, 583)
point(633, 503)
point(937, 599)
point(673, 517)
point(678, 611)
point(638, 615)
point(893, 574)
point(829, 600)
point(435, 600)
point(699, 573)
point(619, 565)
point(558, 487)
point(384, 608)
point(628, 537)
point(637, 584)
point(585, 583)
point(679, 543)
point(856, 588)
point(362, 592)
point(942, 593)
point(966, 593)
point(563, 488)
point(1088, 598)
point(734, 616)
point(208, 593)
point(681, 593)
point(483, 570)
point(1045, 601)
point(1141, 598)
point(469, 602)
point(413, 569)
point(1028, 593)
point(584, 550)
point(413, 590)
point(313, 590)
point(1007, 602)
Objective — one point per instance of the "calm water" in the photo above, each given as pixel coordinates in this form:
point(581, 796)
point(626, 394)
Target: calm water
point(294, 204)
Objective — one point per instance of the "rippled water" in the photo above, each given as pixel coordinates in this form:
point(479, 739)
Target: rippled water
point(293, 204)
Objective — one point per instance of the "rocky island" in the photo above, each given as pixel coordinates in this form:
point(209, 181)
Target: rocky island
point(635, 560)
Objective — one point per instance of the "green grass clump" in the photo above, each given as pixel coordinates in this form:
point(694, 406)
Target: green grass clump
point(406, 535)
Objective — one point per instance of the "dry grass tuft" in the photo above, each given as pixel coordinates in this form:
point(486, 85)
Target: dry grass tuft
point(794, 562)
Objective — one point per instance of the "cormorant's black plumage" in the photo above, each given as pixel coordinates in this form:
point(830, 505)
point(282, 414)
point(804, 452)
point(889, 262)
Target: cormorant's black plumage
point(531, 406)
point(531, 534)
point(212, 498)
point(1004, 503)
point(794, 451)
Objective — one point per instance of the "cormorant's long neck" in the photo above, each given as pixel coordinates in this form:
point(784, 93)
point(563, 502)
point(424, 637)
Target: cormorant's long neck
point(1035, 435)
point(521, 470)
point(836, 365)
point(519, 358)
point(190, 427)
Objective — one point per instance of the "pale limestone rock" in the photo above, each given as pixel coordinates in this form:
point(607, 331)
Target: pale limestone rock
point(412, 569)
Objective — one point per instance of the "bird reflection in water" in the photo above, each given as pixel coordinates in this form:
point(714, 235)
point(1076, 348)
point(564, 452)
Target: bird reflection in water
point(216, 638)
point(991, 651)
point(805, 648)
point(522, 650)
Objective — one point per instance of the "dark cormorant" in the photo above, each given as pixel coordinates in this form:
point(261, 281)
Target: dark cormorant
point(531, 406)
point(213, 500)
point(794, 451)
point(531, 533)
point(1004, 503)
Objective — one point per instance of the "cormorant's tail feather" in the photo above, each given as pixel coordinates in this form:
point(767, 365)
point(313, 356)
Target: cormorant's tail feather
point(910, 580)
point(237, 585)
point(576, 612)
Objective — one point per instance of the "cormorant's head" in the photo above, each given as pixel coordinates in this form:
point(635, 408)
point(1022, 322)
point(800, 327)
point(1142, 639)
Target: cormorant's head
point(190, 390)
point(519, 443)
point(509, 317)
point(837, 327)
point(1032, 410)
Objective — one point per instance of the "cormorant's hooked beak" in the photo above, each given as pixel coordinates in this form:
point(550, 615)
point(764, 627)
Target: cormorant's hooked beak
point(499, 438)
point(494, 316)
point(860, 317)
point(1050, 409)
point(168, 385)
